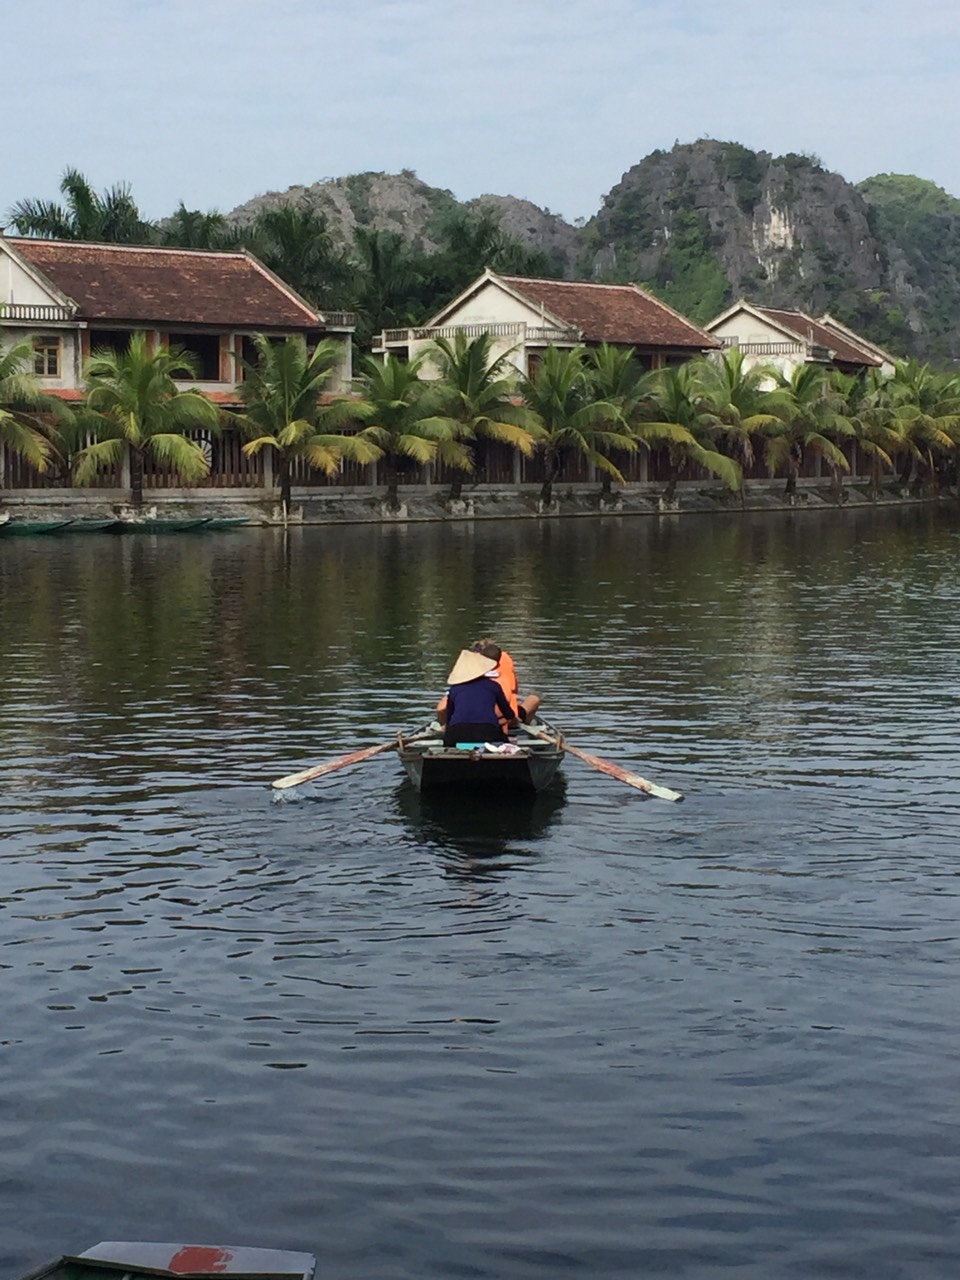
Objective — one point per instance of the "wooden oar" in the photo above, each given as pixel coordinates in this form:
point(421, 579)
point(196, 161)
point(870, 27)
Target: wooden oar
point(607, 766)
point(353, 757)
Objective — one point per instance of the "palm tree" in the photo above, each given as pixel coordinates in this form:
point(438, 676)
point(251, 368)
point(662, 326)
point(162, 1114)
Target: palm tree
point(806, 424)
point(738, 403)
point(479, 397)
point(572, 421)
point(294, 240)
point(864, 405)
point(387, 278)
point(25, 411)
point(193, 229)
point(926, 408)
point(401, 419)
point(616, 376)
point(679, 420)
point(134, 408)
point(112, 217)
point(282, 393)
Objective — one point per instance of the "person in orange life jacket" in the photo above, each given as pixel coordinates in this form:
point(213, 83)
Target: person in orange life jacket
point(474, 706)
point(524, 709)
point(506, 675)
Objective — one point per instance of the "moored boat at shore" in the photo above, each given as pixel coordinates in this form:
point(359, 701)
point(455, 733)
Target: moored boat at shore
point(160, 524)
point(525, 763)
point(14, 526)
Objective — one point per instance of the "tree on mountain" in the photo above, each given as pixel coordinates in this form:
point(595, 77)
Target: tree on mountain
point(112, 217)
point(134, 408)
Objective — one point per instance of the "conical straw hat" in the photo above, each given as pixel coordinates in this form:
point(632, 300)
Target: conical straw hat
point(469, 666)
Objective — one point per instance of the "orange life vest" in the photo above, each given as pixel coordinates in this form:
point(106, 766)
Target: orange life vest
point(505, 674)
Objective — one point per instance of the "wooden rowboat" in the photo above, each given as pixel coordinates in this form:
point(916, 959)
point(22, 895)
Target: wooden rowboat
point(127, 1260)
point(17, 527)
point(527, 764)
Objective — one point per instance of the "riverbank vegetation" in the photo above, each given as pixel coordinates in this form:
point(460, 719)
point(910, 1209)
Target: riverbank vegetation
point(580, 413)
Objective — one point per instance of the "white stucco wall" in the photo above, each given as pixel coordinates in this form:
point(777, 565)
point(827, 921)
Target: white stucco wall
point(490, 305)
point(17, 286)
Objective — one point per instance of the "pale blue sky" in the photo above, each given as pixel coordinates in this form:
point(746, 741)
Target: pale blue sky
point(214, 101)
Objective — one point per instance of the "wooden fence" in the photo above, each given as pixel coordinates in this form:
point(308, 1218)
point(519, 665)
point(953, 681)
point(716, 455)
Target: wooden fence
point(230, 468)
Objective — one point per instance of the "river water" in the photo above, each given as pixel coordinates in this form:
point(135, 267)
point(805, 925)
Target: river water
point(594, 1035)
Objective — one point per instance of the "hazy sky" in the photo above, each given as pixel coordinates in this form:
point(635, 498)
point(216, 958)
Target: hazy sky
point(214, 101)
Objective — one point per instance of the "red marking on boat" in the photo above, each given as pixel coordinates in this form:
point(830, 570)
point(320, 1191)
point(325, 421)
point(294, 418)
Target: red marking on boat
point(199, 1260)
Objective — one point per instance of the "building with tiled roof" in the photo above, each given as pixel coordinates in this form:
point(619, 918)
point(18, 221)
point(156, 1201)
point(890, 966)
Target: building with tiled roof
point(70, 298)
point(787, 339)
point(524, 316)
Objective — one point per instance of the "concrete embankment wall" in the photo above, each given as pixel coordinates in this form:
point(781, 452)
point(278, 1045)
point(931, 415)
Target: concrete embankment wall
point(423, 503)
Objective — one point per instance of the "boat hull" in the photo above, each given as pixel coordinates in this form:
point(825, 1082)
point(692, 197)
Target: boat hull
point(16, 528)
point(141, 1260)
point(431, 766)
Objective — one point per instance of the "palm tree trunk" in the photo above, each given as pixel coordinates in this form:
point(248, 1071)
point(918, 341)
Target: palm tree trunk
point(393, 485)
point(285, 487)
point(136, 477)
point(552, 467)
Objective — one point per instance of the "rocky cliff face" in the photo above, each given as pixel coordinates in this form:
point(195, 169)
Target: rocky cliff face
point(713, 221)
point(709, 222)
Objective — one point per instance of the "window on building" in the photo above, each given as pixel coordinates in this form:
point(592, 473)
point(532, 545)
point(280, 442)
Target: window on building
point(204, 349)
point(46, 356)
point(117, 340)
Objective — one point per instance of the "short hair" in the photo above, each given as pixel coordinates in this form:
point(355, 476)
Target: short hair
point(488, 649)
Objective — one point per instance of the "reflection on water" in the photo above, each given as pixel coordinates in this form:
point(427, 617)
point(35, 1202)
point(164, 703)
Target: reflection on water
point(588, 1032)
point(480, 833)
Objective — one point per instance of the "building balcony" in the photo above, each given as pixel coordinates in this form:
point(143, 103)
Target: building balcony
point(34, 313)
point(339, 319)
point(518, 332)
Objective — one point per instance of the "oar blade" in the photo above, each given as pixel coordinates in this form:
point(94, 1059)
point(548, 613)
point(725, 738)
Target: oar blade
point(318, 771)
point(608, 767)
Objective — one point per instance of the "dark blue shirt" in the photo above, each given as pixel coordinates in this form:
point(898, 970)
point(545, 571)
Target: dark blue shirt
point(476, 702)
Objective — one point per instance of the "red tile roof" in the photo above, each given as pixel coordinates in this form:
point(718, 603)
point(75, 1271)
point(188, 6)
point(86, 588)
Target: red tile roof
point(822, 335)
point(167, 286)
point(620, 313)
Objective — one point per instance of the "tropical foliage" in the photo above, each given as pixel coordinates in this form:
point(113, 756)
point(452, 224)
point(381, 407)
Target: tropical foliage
point(713, 416)
point(284, 411)
point(399, 415)
point(28, 418)
point(134, 408)
point(573, 420)
point(478, 399)
point(111, 217)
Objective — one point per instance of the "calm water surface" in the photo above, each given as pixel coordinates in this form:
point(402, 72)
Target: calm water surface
point(595, 1035)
